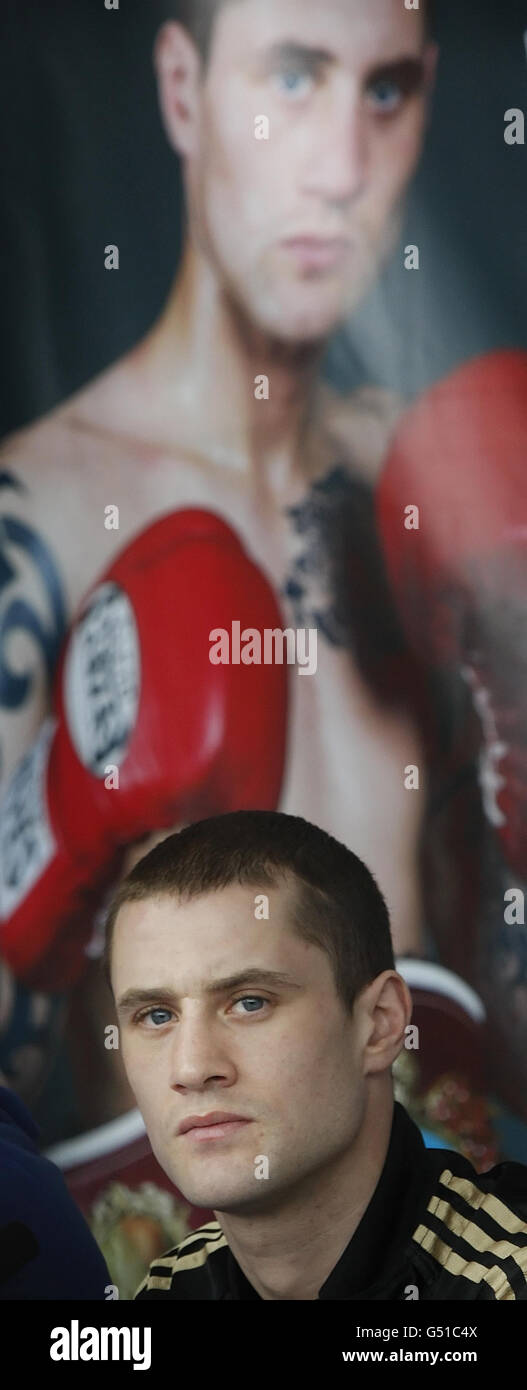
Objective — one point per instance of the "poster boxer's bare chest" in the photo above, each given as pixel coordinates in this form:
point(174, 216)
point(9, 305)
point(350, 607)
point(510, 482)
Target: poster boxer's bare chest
point(316, 548)
point(347, 750)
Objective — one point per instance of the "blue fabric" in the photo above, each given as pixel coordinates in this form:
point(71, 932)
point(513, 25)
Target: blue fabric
point(432, 1141)
point(42, 1230)
point(512, 1133)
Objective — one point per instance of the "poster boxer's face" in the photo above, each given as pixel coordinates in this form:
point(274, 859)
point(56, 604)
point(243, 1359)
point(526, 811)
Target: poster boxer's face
point(286, 1057)
point(343, 85)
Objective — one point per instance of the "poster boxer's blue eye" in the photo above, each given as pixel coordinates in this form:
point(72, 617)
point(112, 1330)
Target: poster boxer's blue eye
point(293, 82)
point(386, 96)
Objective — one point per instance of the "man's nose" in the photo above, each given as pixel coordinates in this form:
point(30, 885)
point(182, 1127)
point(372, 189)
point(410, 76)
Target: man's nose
point(337, 168)
point(197, 1054)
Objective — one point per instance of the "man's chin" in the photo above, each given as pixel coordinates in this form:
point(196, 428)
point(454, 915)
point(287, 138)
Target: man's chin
point(226, 1200)
point(221, 1193)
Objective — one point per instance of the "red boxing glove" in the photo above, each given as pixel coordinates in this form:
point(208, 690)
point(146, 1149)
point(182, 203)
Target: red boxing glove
point(453, 520)
point(148, 733)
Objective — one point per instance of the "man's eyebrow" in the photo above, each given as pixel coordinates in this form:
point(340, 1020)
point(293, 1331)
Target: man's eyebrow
point(137, 998)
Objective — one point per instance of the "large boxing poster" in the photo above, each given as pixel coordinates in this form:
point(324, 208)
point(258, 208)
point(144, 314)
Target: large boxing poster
point(265, 367)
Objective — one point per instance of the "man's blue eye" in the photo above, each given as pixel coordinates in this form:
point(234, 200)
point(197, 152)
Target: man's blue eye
point(153, 1012)
point(251, 999)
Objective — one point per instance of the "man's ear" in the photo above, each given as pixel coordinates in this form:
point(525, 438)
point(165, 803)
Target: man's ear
point(178, 67)
point(387, 1009)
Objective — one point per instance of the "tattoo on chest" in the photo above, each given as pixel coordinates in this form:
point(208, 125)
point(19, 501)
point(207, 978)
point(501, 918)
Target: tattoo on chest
point(336, 581)
point(20, 545)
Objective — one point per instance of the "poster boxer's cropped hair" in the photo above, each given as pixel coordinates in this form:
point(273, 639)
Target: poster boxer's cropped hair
point(336, 904)
point(199, 18)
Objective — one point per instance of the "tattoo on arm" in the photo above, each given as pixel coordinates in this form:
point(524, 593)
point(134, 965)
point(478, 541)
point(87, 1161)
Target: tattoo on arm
point(17, 614)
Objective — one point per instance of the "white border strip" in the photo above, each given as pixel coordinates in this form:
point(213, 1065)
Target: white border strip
point(105, 1139)
point(425, 974)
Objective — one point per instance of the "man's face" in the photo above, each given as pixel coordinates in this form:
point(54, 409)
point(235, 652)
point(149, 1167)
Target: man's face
point(298, 224)
point(285, 1056)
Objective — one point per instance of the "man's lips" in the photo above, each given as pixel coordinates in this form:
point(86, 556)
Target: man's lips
point(214, 1122)
point(220, 1130)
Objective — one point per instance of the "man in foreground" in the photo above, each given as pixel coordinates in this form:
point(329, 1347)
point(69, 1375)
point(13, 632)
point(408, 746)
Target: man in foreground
point(260, 1015)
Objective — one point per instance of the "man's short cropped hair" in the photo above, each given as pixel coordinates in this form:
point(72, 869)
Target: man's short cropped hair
point(335, 904)
point(199, 18)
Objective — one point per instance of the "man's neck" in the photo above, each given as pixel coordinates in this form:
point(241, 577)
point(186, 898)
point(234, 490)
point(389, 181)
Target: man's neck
point(202, 360)
point(289, 1248)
